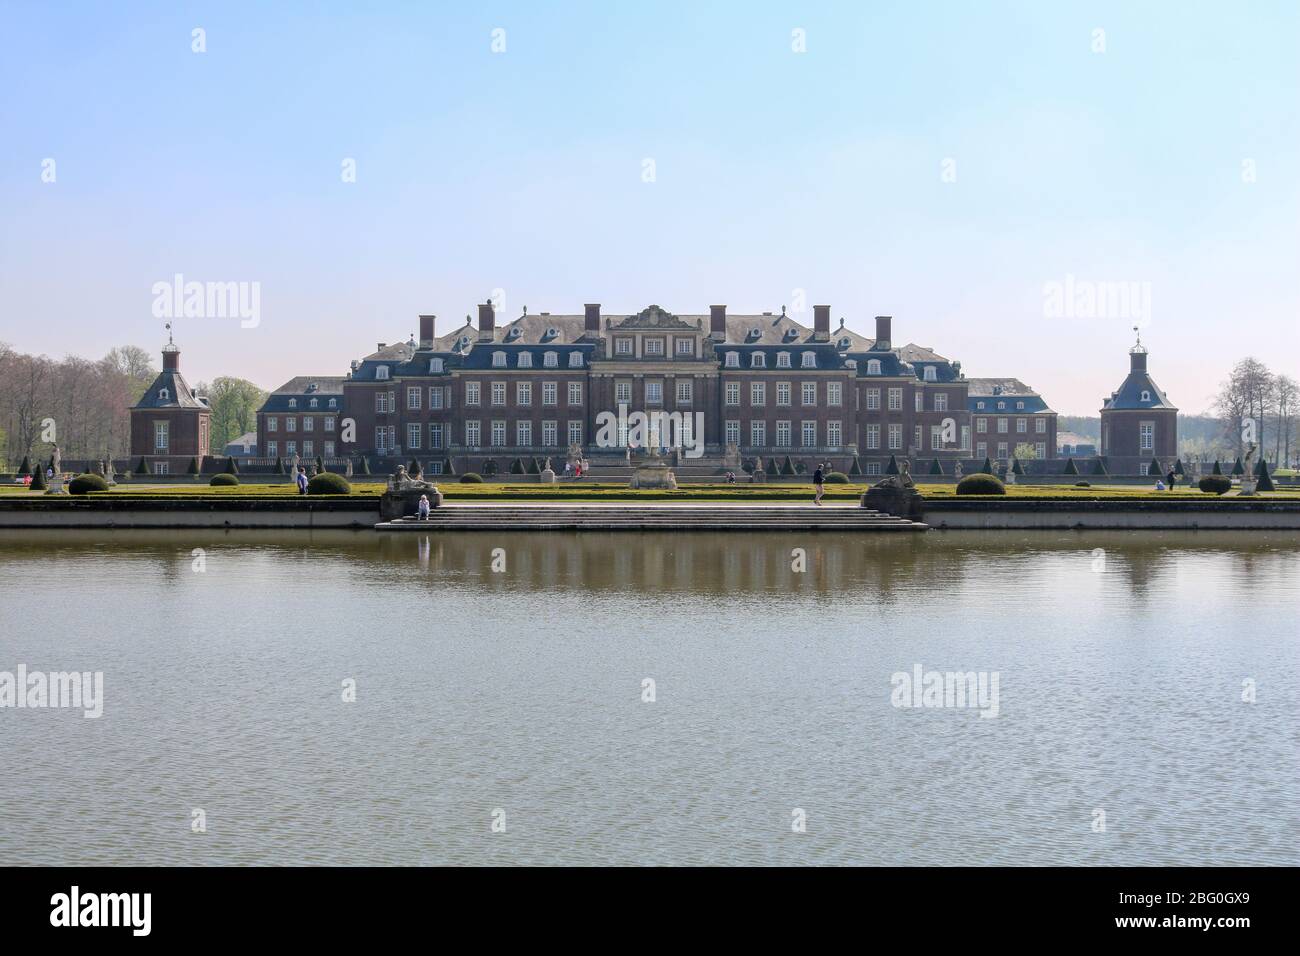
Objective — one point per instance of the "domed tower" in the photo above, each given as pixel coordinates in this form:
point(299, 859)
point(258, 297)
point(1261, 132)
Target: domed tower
point(1138, 421)
point(170, 424)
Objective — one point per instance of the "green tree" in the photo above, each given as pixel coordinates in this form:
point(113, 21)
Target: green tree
point(234, 404)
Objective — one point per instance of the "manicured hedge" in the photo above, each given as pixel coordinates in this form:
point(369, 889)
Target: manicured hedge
point(223, 480)
point(328, 484)
point(84, 484)
point(836, 478)
point(469, 478)
point(1215, 484)
point(981, 484)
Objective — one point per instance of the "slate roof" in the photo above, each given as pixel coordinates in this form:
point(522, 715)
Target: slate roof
point(1128, 397)
point(304, 388)
point(177, 391)
point(992, 390)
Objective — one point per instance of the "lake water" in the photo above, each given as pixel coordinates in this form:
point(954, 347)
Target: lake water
point(516, 697)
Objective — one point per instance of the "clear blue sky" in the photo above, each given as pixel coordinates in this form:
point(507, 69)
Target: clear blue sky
point(775, 171)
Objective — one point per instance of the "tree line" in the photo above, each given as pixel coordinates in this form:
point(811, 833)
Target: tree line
point(1258, 406)
point(83, 405)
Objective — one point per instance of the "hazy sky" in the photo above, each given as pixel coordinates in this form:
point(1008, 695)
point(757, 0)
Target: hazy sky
point(940, 162)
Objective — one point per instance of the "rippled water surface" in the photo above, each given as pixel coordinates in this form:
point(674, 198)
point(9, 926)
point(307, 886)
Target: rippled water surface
point(519, 693)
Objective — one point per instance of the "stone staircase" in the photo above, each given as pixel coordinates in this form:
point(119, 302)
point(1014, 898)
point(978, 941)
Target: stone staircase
point(669, 516)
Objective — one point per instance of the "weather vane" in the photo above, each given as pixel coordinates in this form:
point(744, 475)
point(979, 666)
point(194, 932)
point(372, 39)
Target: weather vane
point(1139, 334)
point(169, 334)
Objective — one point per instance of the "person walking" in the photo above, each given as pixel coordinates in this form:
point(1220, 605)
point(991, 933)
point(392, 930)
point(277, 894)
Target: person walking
point(1171, 479)
point(302, 480)
point(819, 480)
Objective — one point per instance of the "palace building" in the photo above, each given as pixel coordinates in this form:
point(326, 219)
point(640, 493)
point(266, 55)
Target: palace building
point(170, 423)
point(1138, 421)
point(761, 386)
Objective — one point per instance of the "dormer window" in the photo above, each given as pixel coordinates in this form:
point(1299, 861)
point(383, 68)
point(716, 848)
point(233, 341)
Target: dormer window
point(293, 403)
point(809, 359)
point(873, 366)
point(315, 402)
point(851, 363)
point(525, 360)
point(552, 334)
point(755, 334)
point(1001, 405)
point(782, 359)
point(575, 360)
point(1020, 406)
point(844, 343)
point(435, 365)
point(381, 373)
point(930, 374)
point(1146, 396)
point(334, 403)
point(164, 395)
point(462, 343)
point(512, 334)
point(551, 360)
point(979, 405)
point(733, 360)
point(758, 360)
point(498, 359)
point(654, 346)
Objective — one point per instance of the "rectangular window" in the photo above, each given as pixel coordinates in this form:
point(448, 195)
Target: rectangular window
point(272, 424)
point(381, 441)
point(920, 400)
point(732, 432)
point(782, 393)
point(685, 389)
point(834, 394)
point(654, 393)
point(873, 399)
point(809, 393)
point(623, 393)
point(808, 434)
point(308, 423)
point(685, 346)
point(575, 393)
point(161, 436)
point(917, 435)
point(499, 394)
point(1147, 434)
point(895, 437)
point(1002, 426)
point(982, 450)
point(895, 399)
point(550, 434)
point(981, 425)
point(273, 448)
point(1040, 449)
point(524, 393)
point(291, 424)
point(435, 468)
point(329, 423)
point(654, 346)
point(936, 437)
point(161, 467)
point(834, 434)
point(732, 393)
point(623, 346)
point(873, 468)
point(471, 393)
point(308, 448)
point(940, 401)
point(758, 433)
point(473, 434)
point(873, 436)
point(550, 393)
point(575, 431)
point(498, 433)
point(413, 431)
point(782, 434)
point(1002, 449)
point(965, 437)
point(413, 397)
point(757, 393)
point(329, 449)
point(523, 433)
point(291, 447)
point(436, 435)
point(435, 397)
point(1022, 426)
point(1040, 426)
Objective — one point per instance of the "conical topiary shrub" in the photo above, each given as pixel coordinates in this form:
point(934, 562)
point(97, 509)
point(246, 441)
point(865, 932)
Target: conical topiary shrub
point(516, 467)
point(38, 481)
point(365, 465)
point(490, 467)
point(1259, 467)
point(855, 469)
point(1216, 470)
point(193, 469)
point(1265, 482)
point(447, 467)
point(935, 467)
point(1070, 467)
point(531, 467)
point(143, 467)
point(1238, 469)
point(1153, 469)
point(413, 469)
point(231, 467)
point(787, 467)
point(1178, 468)
point(892, 467)
point(1099, 468)
point(988, 466)
point(26, 467)
point(320, 465)
point(1016, 467)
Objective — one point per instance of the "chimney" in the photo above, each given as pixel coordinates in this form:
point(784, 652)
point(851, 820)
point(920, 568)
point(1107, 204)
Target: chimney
point(171, 359)
point(718, 323)
point(884, 341)
point(591, 323)
point(426, 330)
point(821, 323)
point(487, 322)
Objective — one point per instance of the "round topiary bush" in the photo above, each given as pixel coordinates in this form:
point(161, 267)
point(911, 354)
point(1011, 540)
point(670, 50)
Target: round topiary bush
point(981, 484)
point(84, 484)
point(1082, 484)
point(328, 483)
point(835, 478)
point(1215, 484)
point(223, 480)
point(469, 478)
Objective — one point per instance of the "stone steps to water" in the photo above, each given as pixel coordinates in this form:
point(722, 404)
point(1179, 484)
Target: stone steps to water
point(668, 517)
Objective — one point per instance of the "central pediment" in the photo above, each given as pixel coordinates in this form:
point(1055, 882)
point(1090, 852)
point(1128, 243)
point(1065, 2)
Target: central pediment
point(654, 317)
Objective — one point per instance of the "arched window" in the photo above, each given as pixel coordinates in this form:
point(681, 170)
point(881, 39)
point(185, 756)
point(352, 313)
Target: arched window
point(782, 359)
point(733, 360)
point(758, 360)
point(930, 374)
point(498, 359)
point(164, 395)
point(873, 366)
point(809, 359)
point(435, 365)
point(525, 360)
point(381, 373)
point(575, 360)
point(1146, 396)
point(551, 360)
